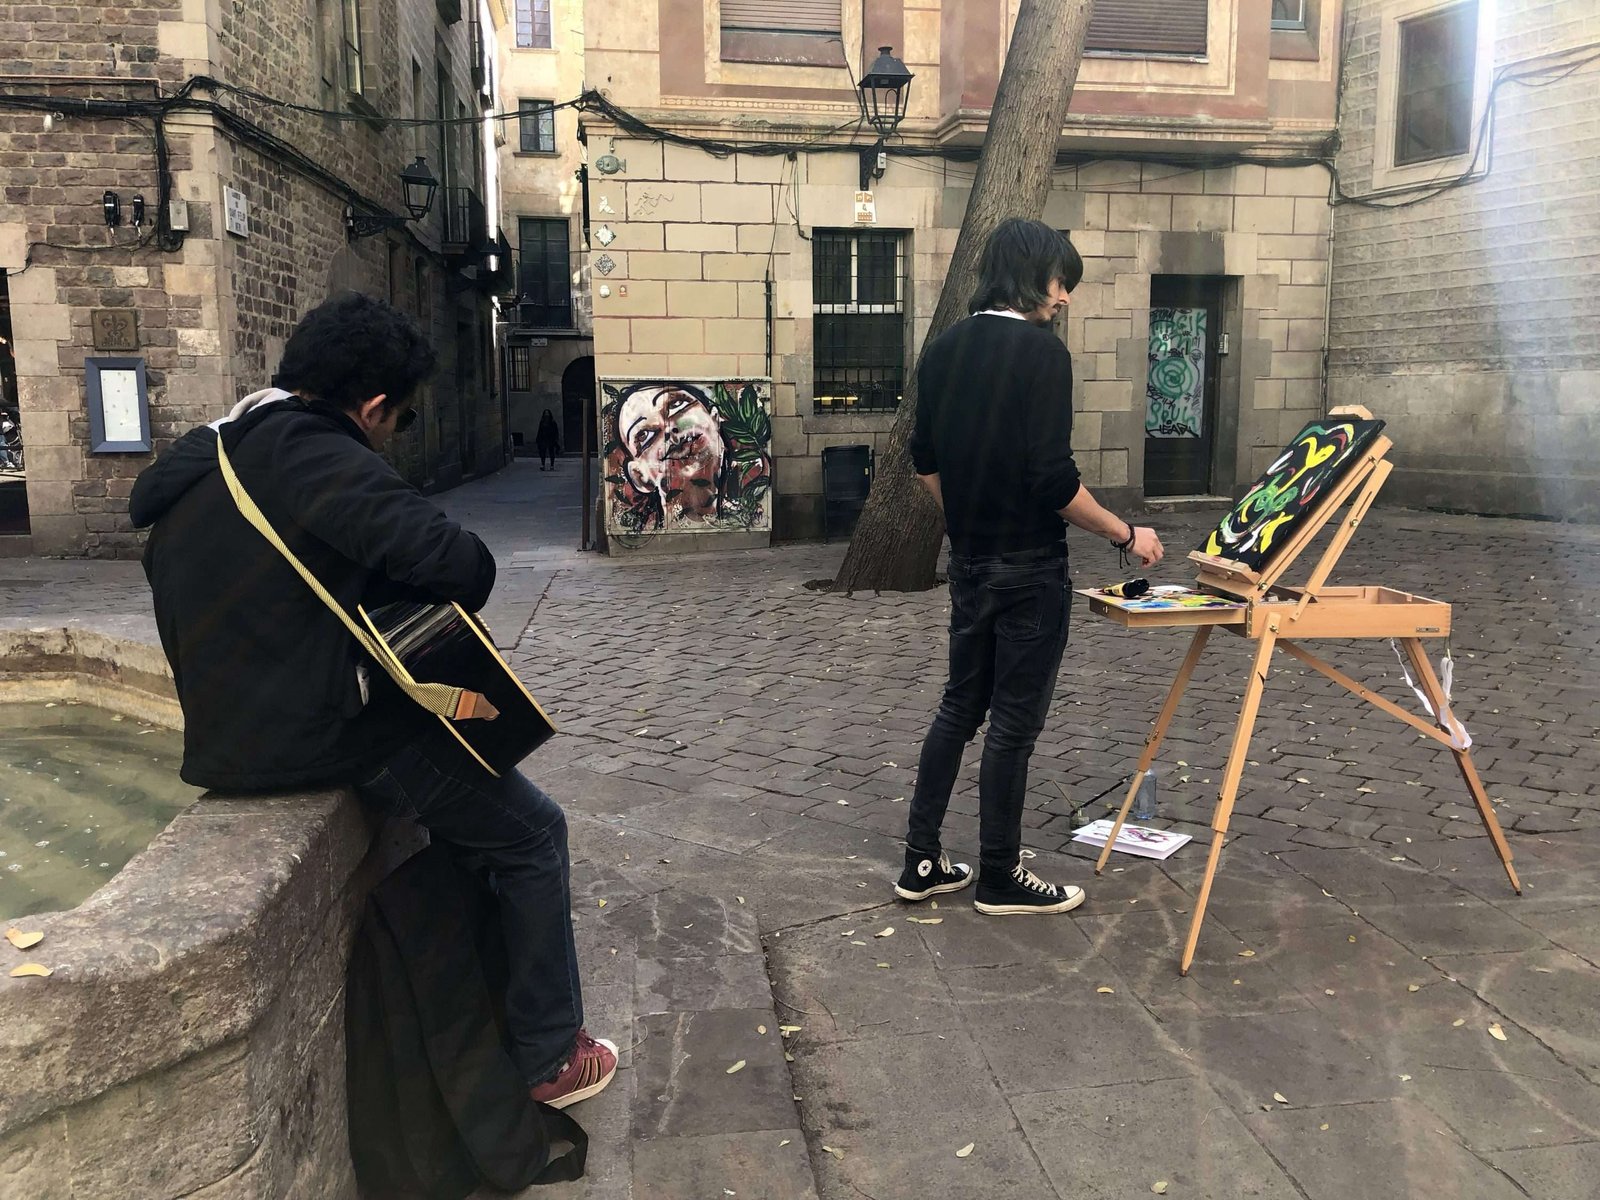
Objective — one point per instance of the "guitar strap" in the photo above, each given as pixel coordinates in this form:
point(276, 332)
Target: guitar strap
point(452, 703)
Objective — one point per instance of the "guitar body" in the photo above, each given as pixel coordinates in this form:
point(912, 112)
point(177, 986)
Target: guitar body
point(443, 643)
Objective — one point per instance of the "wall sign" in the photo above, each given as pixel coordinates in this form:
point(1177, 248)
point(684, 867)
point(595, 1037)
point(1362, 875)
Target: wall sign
point(236, 210)
point(866, 209)
point(119, 406)
point(115, 328)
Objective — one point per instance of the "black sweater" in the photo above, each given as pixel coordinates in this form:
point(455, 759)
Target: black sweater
point(265, 673)
point(994, 422)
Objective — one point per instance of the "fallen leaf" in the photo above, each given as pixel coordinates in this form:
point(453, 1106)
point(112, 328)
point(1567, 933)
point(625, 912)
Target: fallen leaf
point(740, 899)
point(1458, 1023)
point(857, 942)
point(602, 904)
point(1247, 954)
point(1105, 991)
point(1413, 987)
point(1159, 1187)
point(761, 1029)
point(832, 1151)
point(23, 941)
point(884, 965)
point(1351, 938)
point(784, 1143)
point(1280, 1097)
point(30, 969)
point(1495, 1031)
point(966, 1150)
point(1324, 1125)
point(738, 1066)
point(1397, 858)
point(886, 931)
point(1405, 1079)
point(1327, 991)
point(926, 920)
point(786, 1030)
point(848, 933)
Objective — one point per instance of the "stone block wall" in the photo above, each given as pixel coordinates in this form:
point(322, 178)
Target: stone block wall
point(697, 237)
point(1467, 320)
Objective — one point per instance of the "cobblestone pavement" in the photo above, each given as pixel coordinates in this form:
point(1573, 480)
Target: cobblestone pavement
point(730, 735)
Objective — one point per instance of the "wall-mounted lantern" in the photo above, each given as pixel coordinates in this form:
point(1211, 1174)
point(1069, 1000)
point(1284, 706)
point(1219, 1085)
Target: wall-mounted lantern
point(885, 91)
point(417, 187)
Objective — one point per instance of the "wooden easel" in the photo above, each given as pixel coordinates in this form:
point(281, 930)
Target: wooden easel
point(1279, 617)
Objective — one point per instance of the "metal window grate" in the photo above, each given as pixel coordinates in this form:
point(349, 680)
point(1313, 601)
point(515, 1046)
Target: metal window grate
point(519, 367)
point(544, 274)
point(858, 320)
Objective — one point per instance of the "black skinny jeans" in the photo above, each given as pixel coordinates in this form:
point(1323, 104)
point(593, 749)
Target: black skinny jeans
point(1008, 629)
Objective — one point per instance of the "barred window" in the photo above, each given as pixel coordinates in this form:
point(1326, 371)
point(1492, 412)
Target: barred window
point(519, 368)
point(858, 314)
point(533, 24)
point(537, 120)
point(1433, 110)
point(544, 273)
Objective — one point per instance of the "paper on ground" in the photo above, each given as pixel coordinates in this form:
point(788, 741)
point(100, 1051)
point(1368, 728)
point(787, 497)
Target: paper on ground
point(1134, 839)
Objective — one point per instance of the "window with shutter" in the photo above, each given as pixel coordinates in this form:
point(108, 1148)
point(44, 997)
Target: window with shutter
point(781, 16)
point(1148, 27)
point(544, 274)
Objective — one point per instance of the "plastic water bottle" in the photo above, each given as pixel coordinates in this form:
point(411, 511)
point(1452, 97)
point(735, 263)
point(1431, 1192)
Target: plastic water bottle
point(1144, 800)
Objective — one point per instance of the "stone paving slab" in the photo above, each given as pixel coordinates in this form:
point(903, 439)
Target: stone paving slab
point(715, 713)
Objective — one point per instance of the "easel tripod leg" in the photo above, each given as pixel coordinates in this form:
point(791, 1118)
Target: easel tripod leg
point(1153, 742)
point(1230, 784)
point(1491, 823)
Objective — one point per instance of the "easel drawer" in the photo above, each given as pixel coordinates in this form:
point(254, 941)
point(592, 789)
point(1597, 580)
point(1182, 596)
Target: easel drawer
point(1350, 612)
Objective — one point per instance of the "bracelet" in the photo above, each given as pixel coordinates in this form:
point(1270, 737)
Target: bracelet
point(1126, 545)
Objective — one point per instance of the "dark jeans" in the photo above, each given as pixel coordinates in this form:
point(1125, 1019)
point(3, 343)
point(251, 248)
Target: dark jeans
point(1008, 628)
point(515, 836)
point(547, 456)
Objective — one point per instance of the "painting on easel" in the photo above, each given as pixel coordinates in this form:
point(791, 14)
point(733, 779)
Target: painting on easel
point(1278, 501)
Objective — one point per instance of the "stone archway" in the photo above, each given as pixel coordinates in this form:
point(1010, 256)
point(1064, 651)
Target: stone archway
point(577, 403)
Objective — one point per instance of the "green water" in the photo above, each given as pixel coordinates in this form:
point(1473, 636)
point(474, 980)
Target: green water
point(81, 792)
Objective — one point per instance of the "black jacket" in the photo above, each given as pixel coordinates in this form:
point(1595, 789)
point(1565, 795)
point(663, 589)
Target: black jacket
point(994, 422)
point(267, 676)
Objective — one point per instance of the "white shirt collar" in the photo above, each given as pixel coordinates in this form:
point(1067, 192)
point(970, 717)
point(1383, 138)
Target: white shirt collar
point(1001, 312)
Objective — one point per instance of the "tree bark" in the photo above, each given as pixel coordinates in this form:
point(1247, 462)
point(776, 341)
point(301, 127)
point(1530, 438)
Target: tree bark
point(896, 543)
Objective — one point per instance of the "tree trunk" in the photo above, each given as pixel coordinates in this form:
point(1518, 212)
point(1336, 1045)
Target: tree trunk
point(896, 543)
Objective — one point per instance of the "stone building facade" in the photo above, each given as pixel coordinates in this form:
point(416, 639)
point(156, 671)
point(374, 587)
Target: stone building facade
point(1187, 178)
point(211, 306)
point(548, 327)
point(1468, 318)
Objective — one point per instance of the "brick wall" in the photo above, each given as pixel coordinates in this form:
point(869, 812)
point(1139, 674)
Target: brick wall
point(1467, 320)
point(213, 315)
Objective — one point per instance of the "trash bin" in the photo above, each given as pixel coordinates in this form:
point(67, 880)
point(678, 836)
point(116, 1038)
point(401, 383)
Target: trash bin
point(846, 479)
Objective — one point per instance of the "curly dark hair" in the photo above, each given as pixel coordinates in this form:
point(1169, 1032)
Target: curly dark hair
point(352, 348)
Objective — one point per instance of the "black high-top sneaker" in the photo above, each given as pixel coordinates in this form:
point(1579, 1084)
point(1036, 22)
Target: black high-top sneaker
point(1021, 891)
point(929, 874)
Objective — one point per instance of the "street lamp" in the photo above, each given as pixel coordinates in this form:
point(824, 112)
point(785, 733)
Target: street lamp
point(417, 189)
point(885, 90)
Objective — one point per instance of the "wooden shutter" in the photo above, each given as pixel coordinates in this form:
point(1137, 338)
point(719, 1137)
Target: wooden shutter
point(781, 16)
point(1146, 26)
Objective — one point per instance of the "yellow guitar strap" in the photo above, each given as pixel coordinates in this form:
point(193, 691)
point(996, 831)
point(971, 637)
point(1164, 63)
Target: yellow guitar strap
point(439, 698)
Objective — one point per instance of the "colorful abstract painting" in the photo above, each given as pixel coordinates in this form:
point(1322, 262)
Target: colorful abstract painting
point(1291, 487)
point(686, 456)
point(1175, 390)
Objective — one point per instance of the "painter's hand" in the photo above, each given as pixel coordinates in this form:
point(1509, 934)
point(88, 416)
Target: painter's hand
point(1146, 546)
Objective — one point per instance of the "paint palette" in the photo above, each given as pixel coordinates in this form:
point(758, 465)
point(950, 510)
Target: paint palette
point(1167, 605)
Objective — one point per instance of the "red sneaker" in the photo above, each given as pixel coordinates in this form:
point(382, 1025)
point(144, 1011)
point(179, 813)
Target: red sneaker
point(585, 1074)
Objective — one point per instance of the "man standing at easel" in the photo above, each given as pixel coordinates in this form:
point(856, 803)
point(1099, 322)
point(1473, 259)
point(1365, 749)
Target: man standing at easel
point(993, 446)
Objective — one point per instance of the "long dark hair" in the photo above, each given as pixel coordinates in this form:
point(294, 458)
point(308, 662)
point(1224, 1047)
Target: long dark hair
point(1019, 260)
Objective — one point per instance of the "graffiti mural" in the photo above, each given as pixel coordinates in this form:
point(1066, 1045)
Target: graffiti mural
point(686, 456)
point(1175, 389)
point(1275, 503)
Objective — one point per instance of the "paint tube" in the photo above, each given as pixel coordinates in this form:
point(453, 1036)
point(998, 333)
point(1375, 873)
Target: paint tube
point(1130, 590)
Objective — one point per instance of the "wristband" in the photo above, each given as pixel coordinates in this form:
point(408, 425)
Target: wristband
point(1127, 544)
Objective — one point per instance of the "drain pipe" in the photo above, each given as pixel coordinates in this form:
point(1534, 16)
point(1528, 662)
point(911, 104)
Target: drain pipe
point(769, 321)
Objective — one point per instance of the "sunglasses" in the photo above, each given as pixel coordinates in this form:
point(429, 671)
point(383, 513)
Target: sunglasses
point(405, 420)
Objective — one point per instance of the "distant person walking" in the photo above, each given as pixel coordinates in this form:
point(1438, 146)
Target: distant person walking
point(547, 441)
point(993, 446)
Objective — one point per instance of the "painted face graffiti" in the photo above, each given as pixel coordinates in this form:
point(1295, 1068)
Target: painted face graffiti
point(1275, 503)
point(686, 456)
point(674, 447)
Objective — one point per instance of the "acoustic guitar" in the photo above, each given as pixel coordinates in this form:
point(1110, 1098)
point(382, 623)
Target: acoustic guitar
point(499, 722)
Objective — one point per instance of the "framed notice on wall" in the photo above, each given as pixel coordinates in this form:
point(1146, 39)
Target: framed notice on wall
point(119, 406)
